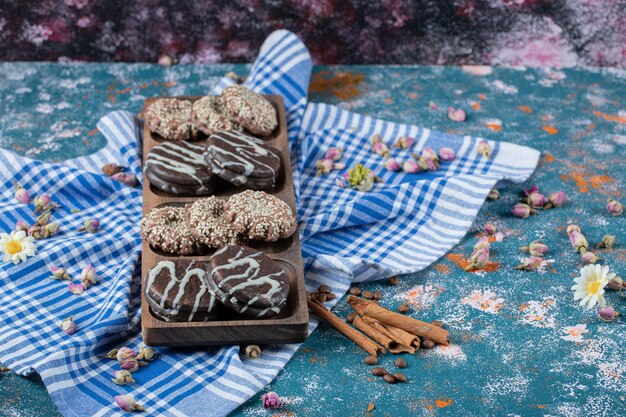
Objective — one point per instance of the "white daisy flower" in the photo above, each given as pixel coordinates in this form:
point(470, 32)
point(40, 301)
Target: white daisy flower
point(16, 246)
point(589, 287)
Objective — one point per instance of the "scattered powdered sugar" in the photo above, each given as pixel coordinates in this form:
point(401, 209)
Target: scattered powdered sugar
point(574, 333)
point(499, 85)
point(451, 353)
point(611, 376)
point(486, 301)
point(517, 384)
point(420, 296)
point(537, 313)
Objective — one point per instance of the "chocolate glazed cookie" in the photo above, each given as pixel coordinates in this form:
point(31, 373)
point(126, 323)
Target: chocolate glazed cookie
point(248, 281)
point(243, 160)
point(179, 168)
point(179, 291)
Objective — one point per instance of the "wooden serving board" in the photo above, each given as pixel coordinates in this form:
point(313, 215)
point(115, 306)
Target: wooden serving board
point(291, 325)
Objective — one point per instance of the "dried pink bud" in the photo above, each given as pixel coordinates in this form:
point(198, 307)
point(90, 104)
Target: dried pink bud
point(22, 195)
point(614, 207)
point(522, 210)
point(43, 200)
point(499, 236)
point(404, 142)
point(532, 189)
point(578, 241)
point(130, 365)
point(68, 326)
point(607, 314)
point(589, 258)
point(531, 264)
point(536, 248)
point(392, 165)
point(490, 229)
point(324, 166)
point(376, 138)
point(125, 353)
point(147, 354)
point(446, 154)
point(122, 377)
point(432, 105)
point(571, 228)
point(128, 403)
point(88, 276)
point(51, 229)
point(457, 115)
point(429, 153)
point(557, 199)
point(380, 148)
point(36, 232)
point(616, 283)
point(334, 154)
point(271, 400)
point(484, 149)
point(483, 242)
point(43, 218)
point(76, 288)
point(126, 179)
point(59, 273)
point(21, 225)
point(608, 241)
point(536, 200)
point(411, 167)
point(90, 226)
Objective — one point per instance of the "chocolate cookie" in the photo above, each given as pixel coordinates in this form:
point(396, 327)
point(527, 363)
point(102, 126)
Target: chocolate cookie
point(170, 118)
point(165, 229)
point(248, 281)
point(243, 160)
point(179, 291)
point(250, 110)
point(260, 216)
point(206, 224)
point(209, 116)
point(179, 167)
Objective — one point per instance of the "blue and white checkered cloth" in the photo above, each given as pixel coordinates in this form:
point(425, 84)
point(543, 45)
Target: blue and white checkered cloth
point(402, 225)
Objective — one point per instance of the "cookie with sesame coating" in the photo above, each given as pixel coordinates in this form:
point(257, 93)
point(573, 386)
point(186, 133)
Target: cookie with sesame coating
point(165, 229)
point(209, 116)
point(251, 110)
point(206, 224)
point(170, 118)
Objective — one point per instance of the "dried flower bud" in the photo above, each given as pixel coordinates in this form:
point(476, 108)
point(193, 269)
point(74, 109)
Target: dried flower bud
point(125, 353)
point(130, 364)
point(36, 232)
point(111, 355)
point(76, 288)
point(429, 153)
point(432, 105)
point(536, 200)
point(90, 226)
point(22, 195)
point(536, 248)
point(589, 258)
point(483, 242)
point(128, 403)
point(404, 142)
point(59, 273)
point(324, 166)
point(531, 264)
point(165, 61)
point(43, 218)
point(578, 241)
point(341, 183)
point(532, 189)
point(493, 195)
point(499, 236)
point(376, 138)
point(252, 351)
point(126, 179)
point(523, 210)
point(122, 377)
point(271, 400)
point(68, 326)
point(446, 154)
point(44, 203)
point(88, 276)
point(334, 154)
point(607, 314)
point(21, 225)
point(616, 283)
point(557, 199)
point(51, 229)
point(111, 169)
point(484, 149)
point(392, 165)
point(490, 229)
point(457, 115)
point(614, 207)
point(381, 149)
point(147, 354)
point(571, 228)
point(410, 167)
point(608, 241)
point(361, 178)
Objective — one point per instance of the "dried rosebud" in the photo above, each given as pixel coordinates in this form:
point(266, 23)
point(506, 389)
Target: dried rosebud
point(43, 218)
point(493, 195)
point(130, 364)
point(271, 400)
point(51, 229)
point(22, 195)
point(165, 61)
point(147, 354)
point(68, 326)
point(334, 154)
point(608, 241)
point(589, 258)
point(111, 355)
point(376, 138)
point(536, 200)
point(522, 210)
point(429, 153)
point(124, 354)
point(490, 229)
point(482, 243)
point(404, 142)
point(410, 167)
point(531, 264)
point(616, 283)
point(499, 236)
point(44, 203)
point(128, 403)
point(36, 232)
point(536, 248)
point(381, 149)
point(457, 115)
point(126, 179)
point(252, 351)
point(556, 199)
point(111, 169)
point(614, 207)
point(76, 288)
point(571, 228)
point(432, 105)
point(532, 189)
point(578, 241)
point(21, 225)
point(607, 314)
point(392, 165)
point(122, 377)
point(59, 273)
point(446, 154)
point(88, 276)
point(90, 226)
point(484, 149)
point(324, 166)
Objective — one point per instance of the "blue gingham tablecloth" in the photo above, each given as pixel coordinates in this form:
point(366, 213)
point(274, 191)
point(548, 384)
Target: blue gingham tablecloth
point(402, 225)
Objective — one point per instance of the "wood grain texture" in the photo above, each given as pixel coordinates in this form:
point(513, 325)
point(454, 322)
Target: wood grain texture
point(291, 325)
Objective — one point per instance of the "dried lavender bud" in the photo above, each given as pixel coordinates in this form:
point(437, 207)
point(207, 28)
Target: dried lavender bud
point(400, 377)
point(378, 371)
point(394, 280)
point(403, 308)
point(324, 289)
point(370, 360)
point(367, 294)
point(355, 291)
point(351, 317)
point(390, 379)
point(400, 363)
point(252, 351)
point(427, 344)
point(378, 295)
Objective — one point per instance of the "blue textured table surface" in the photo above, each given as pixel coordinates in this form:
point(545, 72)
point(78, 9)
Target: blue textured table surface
point(520, 344)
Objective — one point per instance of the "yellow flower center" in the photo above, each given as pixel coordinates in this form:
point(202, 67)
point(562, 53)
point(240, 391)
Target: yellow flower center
point(593, 287)
point(13, 247)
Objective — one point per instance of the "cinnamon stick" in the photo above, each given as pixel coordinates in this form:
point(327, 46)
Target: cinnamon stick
point(382, 338)
point(409, 324)
point(351, 333)
point(403, 341)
